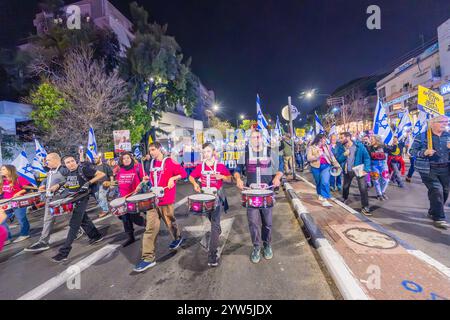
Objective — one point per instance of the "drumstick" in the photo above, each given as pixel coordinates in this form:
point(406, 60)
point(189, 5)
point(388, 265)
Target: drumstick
point(30, 188)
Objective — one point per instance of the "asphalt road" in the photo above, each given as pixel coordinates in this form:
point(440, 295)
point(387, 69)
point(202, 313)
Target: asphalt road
point(106, 268)
point(405, 214)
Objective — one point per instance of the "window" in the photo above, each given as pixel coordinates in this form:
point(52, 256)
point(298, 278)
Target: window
point(382, 93)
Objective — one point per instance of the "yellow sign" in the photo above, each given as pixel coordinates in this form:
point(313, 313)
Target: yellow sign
point(300, 132)
point(432, 102)
point(109, 155)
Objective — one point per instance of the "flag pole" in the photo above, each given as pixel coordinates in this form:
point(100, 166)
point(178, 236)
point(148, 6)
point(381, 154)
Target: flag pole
point(291, 121)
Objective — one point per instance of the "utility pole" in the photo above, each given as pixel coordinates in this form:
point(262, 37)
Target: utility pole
point(291, 122)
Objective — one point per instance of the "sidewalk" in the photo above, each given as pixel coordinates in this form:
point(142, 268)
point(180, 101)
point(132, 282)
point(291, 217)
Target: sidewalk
point(366, 261)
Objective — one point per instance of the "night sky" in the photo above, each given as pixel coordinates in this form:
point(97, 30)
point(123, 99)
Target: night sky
point(275, 47)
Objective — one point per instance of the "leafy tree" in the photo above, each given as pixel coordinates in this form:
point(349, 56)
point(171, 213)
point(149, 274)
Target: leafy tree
point(155, 70)
point(48, 103)
point(247, 124)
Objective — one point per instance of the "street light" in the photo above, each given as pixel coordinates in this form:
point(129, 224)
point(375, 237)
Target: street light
point(216, 107)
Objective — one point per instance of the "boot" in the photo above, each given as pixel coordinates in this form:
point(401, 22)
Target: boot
point(130, 241)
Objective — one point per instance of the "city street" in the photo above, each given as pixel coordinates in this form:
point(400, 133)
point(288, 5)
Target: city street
point(294, 273)
point(405, 215)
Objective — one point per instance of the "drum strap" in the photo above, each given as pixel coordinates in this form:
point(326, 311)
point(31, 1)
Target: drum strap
point(208, 173)
point(156, 170)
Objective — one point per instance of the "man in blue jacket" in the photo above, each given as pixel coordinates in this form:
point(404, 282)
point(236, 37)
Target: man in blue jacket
point(351, 154)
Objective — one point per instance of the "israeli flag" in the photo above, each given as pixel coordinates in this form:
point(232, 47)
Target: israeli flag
point(333, 130)
point(421, 123)
point(24, 168)
point(91, 151)
point(41, 154)
point(137, 152)
point(38, 167)
point(404, 126)
point(319, 127)
point(381, 125)
point(278, 128)
point(262, 122)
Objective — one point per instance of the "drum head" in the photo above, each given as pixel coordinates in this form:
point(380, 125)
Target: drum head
point(257, 192)
point(141, 197)
point(202, 197)
point(117, 202)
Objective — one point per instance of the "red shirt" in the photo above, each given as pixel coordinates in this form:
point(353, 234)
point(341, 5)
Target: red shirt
point(9, 190)
point(171, 169)
point(128, 180)
point(214, 183)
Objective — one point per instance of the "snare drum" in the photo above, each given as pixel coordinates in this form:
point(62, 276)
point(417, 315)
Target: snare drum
point(6, 205)
point(26, 200)
point(118, 207)
point(141, 203)
point(258, 199)
point(202, 203)
point(61, 207)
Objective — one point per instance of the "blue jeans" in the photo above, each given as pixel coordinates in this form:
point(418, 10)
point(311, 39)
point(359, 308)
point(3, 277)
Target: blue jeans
point(101, 197)
point(381, 182)
point(322, 179)
point(411, 168)
point(21, 215)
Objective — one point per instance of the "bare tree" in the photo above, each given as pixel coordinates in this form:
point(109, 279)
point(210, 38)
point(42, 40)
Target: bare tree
point(354, 108)
point(95, 98)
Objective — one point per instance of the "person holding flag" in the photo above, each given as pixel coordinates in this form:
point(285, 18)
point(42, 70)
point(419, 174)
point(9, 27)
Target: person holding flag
point(12, 185)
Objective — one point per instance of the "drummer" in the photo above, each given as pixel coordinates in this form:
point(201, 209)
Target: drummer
point(55, 176)
point(258, 153)
point(129, 179)
point(12, 186)
point(167, 172)
point(79, 179)
point(219, 174)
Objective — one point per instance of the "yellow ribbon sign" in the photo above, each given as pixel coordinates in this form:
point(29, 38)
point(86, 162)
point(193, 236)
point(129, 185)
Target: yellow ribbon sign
point(109, 155)
point(432, 102)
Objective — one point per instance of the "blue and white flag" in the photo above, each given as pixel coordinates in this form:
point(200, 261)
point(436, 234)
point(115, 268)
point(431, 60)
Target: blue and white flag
point(278, 128)
point(41, 154)
point(38, 167)
point(137, 152)
point(333, 130)
point(91, 151)
point(319, 127)
point(262, 122)
point(421, 123)
point(404, 126)
point(24, 168)
point(381, 125)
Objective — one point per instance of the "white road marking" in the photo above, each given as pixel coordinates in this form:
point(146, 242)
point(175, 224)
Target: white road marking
point(57, 281)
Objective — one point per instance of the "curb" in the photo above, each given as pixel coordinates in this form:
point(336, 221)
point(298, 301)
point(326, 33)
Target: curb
point(408, 247)
point(343, 277)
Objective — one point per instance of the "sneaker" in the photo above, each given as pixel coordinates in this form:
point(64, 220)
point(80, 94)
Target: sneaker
point(95, 240)
point(327, 204)
point(385, 197)
point(59, 258)
point(213, 262)
point(144, 265)
point(321, 199)
point(79, 234)
point(441, 224)
point(176, 244)
point(267, 252)
point(380, 198)
point(408, 179)
point(255, 257)
point(21, 238)
point(366, 212)
point(37, 247)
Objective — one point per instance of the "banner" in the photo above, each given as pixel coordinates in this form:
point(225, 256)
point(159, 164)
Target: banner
point(122, 141)
point(300, 133)
point(108, 155)
point(431, 102)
